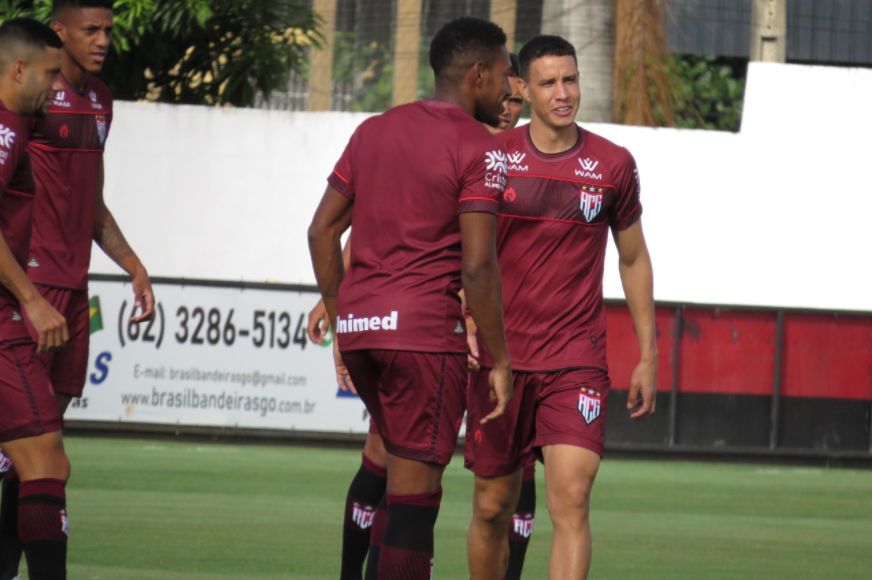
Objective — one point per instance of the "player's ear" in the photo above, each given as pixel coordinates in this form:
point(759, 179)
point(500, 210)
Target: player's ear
point(19, 70)
point(522, 84)
point(478, 70)
point(59, 29)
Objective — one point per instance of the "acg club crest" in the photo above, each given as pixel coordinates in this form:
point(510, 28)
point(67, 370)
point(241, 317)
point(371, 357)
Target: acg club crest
point(363, 516)
point(591, 201)
point(101, 129)
point(589, 404)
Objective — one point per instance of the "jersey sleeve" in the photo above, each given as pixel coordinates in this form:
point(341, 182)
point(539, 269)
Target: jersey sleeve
point(341, 179)
point(628, 208)
point(11, 141)
point(484, 173)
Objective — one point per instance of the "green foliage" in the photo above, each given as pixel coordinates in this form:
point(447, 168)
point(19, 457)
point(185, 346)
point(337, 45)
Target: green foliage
point(198, 52)
point(711, 92)
point(369, 67)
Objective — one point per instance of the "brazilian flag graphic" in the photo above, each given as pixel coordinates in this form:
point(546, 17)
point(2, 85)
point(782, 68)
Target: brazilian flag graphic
point(96, 314)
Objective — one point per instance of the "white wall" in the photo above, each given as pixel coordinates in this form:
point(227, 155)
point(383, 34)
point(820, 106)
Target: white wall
point(773, 215)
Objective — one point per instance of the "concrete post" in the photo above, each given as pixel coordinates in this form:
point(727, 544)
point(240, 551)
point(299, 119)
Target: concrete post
point(769, 30)
point(504, 13)
point(321, 73)
point(406, 51)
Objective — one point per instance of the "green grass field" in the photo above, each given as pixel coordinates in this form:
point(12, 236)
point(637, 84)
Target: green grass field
point(180, 511)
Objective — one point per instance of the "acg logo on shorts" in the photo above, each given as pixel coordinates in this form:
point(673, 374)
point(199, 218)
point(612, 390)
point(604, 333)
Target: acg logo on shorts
point(589, 404)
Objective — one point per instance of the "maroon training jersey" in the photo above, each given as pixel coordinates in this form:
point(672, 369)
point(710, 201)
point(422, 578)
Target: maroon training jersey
point(67, 148)
point(554, 224)
point(16, 212)
point(410, 172)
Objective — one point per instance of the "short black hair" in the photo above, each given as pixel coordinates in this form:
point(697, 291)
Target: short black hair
point(516, 67)
point(25, 33)
point(463, 42)
point(60, 5)
point(540, 46)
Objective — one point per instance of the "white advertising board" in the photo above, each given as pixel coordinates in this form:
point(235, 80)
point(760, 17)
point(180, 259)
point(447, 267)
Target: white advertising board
point(213, 356)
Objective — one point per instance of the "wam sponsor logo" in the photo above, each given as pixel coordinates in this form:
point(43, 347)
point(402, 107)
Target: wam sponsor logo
point(588, 166)
point(515, 160)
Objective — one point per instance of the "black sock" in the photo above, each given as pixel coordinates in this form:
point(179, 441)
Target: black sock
point(379, 525)
point(521, 528)
point(407, 548)
point(10, 546)
point(43, 528)
point(366, 491)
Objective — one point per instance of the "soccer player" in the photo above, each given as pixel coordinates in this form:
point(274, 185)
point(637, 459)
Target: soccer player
point(66, 149)
point(568, 188)
point(368, 486)
point(424, 224)
point(30, 423)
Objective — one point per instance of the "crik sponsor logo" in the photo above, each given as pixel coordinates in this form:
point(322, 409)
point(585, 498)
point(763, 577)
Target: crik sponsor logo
point(497, 169)
point(7, 137)
point(515, 160)
point(352, 324)
point(588, 166)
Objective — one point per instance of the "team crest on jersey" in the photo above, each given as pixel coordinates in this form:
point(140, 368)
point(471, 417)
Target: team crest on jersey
point(591, 201)
point(522, 524)
point(363, 516)
point(101, 129)
point(589, 404)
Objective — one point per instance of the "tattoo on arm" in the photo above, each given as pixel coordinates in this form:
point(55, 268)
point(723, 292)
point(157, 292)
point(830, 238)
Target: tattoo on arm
point(108, 236)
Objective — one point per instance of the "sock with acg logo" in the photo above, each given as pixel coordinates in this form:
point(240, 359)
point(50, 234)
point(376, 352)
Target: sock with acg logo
point(366, 491)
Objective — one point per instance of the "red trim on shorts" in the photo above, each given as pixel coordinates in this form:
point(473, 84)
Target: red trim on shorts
point(564, 439)
point(339, 175)
point(21, 193)
point(95, 113)
point(66, 149)
point(478, 198)
point(552, 220)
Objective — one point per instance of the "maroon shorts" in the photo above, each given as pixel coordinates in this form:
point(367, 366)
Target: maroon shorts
point(68, 367)
point(561, 407)
point(416, 399)
point(26, 397)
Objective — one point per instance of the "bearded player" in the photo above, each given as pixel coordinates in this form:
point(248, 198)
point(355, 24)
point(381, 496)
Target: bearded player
point(368, 486)
point(568, 189)
point(67, 153)
point(30, 422)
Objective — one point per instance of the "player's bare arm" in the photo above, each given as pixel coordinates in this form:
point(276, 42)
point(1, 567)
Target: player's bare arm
point(48, 322)
point(483, 289)
point(108, 236)
point(332, 218)
point(637, 277)
point(319, 322)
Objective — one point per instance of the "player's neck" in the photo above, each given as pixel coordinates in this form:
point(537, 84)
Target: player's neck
point(75, 75)
point(8, 97)
point(552, 140)
point(456, 97)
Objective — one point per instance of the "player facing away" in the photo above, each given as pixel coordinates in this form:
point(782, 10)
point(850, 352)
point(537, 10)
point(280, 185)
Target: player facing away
point(424, 224)
point(66, 149)
point(568, 189)
point(367, 489)
point(30, 423)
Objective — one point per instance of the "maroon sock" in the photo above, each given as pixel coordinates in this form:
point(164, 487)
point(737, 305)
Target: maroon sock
point(522, 526)
point(366, 491)
point(43, 528)
point(407, 548)
point(10, 547)
point(379, 525)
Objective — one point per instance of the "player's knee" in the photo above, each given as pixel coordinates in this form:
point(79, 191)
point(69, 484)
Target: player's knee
point(494, 504)
point(569, 502)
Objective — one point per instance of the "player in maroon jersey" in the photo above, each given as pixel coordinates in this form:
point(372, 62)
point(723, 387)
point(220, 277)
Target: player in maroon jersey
point(568, 189)
point(66, 149)
point(368, 486)
point(30, 423)
point(398, 320)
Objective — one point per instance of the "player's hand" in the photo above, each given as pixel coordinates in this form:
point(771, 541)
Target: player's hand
point(143, 296)
point(644, 384)
point(342, 376)
point(472, 364)
point(50, 325)
point(319, 323)
point(501, 390)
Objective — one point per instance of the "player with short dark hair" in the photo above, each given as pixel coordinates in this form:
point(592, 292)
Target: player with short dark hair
point(399, 323)
point(66, 148)
point(30, 423)
point(568, 188)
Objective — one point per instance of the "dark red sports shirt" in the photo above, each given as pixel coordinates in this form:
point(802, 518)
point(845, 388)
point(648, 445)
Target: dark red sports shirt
point(67, 147)
point(16, 211)
point(553, 228)
point(410, 172)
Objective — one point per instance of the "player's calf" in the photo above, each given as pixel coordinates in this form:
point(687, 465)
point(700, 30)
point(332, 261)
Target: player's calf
point(407, 548)
point(494, 502)
point(367, 490)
